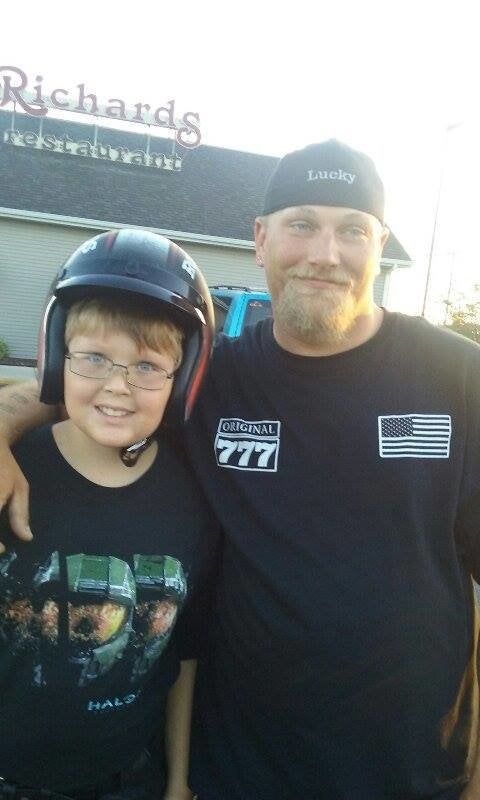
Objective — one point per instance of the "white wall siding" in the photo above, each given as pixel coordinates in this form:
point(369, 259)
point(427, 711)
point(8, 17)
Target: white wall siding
point(224, 265)
point(30, 255)
point(379, 287)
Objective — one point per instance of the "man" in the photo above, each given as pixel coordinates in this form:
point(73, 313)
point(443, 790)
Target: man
point(340, 448)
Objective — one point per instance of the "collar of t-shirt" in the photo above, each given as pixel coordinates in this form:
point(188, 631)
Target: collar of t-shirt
point(371, 352)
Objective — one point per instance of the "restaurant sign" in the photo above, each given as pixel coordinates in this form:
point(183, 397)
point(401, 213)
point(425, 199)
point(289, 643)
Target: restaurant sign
point(14, 89)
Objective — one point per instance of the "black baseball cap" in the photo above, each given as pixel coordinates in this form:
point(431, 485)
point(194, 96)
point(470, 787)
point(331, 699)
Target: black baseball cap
point(326, 174)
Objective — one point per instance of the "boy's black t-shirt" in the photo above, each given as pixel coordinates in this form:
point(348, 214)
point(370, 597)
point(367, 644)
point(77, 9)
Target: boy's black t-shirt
point(348, 489)
point(87, 612)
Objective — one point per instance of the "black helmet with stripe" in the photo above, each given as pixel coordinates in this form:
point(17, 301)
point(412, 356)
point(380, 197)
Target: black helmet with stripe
point(148, 268)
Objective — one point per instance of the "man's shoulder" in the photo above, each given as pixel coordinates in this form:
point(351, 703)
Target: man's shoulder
point(248, 343)
point(435, 339)
point(233, 361)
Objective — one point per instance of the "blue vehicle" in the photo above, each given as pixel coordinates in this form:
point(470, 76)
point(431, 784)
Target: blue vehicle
point(239, 306)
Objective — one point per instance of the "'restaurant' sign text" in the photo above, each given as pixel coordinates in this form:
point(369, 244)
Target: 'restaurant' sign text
point(107, 152)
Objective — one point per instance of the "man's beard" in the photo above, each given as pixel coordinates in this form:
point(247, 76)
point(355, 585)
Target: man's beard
point(321, 318)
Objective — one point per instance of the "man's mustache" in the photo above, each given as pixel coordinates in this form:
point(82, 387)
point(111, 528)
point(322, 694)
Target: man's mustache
point(338, 276)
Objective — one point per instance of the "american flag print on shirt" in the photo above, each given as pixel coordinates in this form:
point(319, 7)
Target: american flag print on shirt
point(415, 436)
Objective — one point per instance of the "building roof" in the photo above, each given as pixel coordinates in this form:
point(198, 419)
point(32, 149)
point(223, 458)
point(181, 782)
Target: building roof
point(217, 192)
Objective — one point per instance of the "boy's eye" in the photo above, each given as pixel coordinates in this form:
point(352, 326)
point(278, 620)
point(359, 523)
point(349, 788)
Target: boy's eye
point(146, 366)
point(94, 358)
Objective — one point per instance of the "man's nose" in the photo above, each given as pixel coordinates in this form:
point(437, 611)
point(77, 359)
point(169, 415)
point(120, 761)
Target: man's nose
point(324, 249)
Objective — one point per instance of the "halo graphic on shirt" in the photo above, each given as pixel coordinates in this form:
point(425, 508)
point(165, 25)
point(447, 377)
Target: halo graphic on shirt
point(81, 616)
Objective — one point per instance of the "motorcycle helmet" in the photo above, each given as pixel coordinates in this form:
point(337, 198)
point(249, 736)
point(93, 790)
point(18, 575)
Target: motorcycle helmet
point(144, 266)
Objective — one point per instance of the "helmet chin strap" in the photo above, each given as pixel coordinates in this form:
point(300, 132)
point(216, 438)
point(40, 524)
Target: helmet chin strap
point(130, 455)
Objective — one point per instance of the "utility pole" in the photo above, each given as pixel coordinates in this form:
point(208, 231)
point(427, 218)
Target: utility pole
point(450, 284)
point(448, 130)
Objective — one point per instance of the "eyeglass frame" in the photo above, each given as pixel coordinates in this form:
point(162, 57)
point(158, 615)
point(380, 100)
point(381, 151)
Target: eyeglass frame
point(126, 367)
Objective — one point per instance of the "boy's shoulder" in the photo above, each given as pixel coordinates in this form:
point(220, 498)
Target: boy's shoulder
point(34, 439)
point(172, 465)
point(36, 448)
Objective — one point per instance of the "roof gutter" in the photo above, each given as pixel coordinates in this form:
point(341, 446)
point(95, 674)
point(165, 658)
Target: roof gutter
point(393, 263)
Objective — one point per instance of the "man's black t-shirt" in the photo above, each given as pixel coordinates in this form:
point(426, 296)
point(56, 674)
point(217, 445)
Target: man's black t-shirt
point(87, 612)
point(340, 665)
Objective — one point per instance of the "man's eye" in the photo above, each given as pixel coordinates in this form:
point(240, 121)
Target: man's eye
point(355, 231)
point(301, 225)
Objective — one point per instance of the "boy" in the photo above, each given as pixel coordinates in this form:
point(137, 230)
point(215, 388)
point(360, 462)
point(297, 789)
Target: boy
point(88, 608)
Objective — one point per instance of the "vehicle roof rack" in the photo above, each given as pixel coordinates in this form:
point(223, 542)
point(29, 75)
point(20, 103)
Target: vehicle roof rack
point(240, 288)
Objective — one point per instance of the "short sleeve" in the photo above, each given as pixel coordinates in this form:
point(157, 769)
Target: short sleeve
point(468, 535)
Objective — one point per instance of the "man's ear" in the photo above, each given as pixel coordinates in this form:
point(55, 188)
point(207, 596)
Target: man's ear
point(260, 231)
point(384, 237)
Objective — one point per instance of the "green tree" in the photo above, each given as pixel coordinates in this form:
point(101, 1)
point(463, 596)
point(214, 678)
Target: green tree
point(464, 317)
point(3, 349)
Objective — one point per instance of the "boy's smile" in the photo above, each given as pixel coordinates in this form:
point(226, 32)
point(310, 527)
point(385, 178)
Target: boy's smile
point(113, 412)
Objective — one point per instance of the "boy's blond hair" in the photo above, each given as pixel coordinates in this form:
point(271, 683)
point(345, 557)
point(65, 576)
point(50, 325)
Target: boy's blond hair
point(147, 329)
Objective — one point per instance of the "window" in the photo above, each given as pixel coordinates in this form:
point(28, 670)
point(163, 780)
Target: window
point(220, 306)
point(257, 310)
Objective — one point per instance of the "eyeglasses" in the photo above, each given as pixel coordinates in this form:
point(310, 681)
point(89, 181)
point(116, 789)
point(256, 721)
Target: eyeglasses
point(142, 375)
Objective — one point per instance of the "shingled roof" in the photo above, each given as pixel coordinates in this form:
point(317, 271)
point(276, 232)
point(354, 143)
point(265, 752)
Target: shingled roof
point(217, 192)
